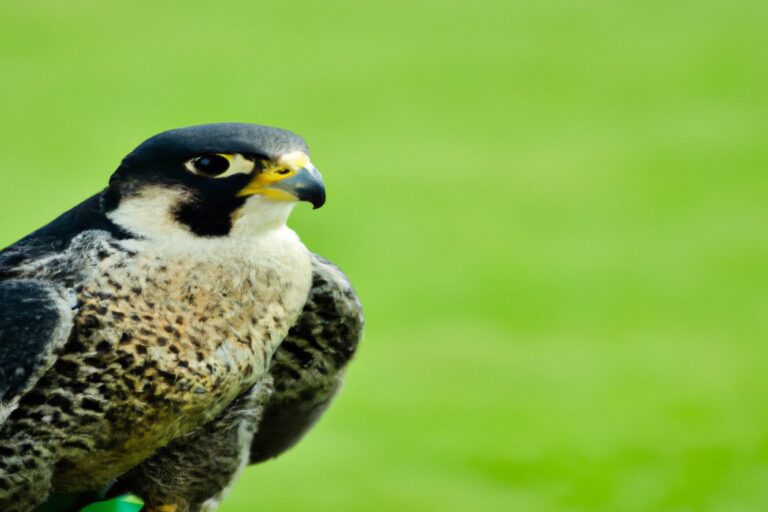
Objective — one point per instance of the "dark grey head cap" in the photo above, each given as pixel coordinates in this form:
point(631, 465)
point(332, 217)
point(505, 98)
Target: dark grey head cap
point(220, 138)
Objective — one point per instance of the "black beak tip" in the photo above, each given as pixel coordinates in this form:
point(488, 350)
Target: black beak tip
point(318, 201)
point(313, 194)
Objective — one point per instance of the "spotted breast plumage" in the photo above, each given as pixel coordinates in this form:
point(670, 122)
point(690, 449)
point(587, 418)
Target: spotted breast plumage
point(169, 330)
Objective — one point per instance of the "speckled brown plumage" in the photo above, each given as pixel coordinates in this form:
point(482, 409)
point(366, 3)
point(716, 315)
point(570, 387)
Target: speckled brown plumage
point(305, 374)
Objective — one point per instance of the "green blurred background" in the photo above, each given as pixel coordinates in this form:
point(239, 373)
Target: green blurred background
point(555, 213)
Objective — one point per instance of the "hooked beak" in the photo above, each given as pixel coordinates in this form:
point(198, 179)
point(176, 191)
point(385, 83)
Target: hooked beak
point(291, 178)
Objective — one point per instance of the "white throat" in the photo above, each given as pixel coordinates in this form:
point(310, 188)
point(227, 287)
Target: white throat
point(260, 214)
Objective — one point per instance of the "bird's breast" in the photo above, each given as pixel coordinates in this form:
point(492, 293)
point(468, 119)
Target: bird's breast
point(168, 336)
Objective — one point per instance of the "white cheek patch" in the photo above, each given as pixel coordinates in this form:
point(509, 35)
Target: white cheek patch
point(149, 214)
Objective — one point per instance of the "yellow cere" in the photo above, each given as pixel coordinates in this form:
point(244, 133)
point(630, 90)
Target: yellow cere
point(285, 167)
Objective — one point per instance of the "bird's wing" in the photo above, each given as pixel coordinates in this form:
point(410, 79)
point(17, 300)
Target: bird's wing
point(308, 367)
point(36, 318)
point(36, 314)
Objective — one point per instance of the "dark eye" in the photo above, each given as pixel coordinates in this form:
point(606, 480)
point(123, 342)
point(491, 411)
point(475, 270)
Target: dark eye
point(211, 165)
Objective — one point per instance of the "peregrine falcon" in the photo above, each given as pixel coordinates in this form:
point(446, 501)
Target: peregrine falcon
point(171, 329)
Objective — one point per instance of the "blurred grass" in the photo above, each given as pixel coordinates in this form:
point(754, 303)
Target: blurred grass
point(555, 214)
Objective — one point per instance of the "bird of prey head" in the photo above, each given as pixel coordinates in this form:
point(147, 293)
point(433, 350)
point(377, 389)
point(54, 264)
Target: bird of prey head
point(213, 180)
